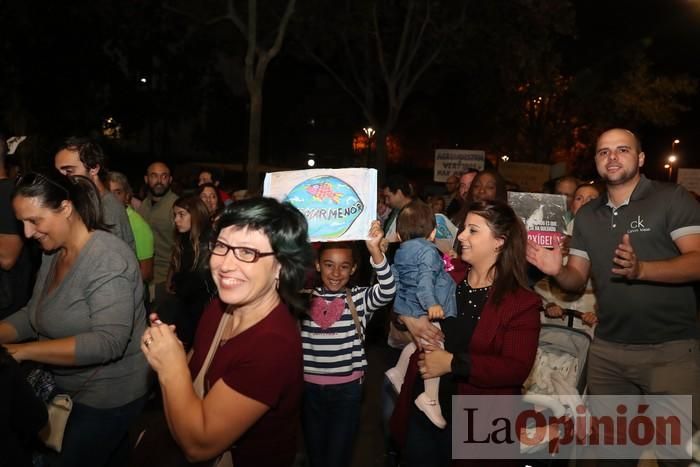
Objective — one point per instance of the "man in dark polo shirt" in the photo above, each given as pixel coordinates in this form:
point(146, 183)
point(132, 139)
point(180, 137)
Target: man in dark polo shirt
point(641, 244)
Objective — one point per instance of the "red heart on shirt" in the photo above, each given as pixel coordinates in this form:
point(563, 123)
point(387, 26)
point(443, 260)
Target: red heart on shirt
point(325, 313)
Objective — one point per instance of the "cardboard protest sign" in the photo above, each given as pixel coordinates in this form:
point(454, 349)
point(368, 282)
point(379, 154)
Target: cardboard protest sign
point(455, 162)
point(543, 216)
point(339, 204)
point(446, 232)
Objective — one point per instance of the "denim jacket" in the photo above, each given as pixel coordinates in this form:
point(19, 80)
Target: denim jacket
point(421, 280)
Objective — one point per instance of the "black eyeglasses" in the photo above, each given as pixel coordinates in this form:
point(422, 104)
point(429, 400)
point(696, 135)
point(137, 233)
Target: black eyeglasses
point(242, 253)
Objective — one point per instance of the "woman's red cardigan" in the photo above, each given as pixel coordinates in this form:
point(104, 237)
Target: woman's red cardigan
point(501, 352)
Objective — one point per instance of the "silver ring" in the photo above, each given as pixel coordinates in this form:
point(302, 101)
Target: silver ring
point(148, 341)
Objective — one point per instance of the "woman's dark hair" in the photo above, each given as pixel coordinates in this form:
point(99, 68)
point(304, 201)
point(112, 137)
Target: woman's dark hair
point(501, 195)
point(52, 188)
point(510, 268)
point(415, 220)
point(286, 229)
point(199, 228)
point(219, 201)
point(501, 192)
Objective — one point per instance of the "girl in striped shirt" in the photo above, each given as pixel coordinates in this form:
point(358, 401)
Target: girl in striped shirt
point(334, 356)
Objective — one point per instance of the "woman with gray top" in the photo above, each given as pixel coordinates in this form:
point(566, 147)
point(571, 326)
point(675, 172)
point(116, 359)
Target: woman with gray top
point(85, 316)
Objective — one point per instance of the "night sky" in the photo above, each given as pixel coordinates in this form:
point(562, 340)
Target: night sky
point(673, 29)
point(56, 72)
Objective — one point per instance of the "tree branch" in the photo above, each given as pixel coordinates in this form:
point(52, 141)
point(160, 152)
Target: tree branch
point(405, 90)
point(233, 16)
point(252, 42)
point(404, 39)
point(282, 29)
point(336, 77)
point(380, 47)
point(416, 43)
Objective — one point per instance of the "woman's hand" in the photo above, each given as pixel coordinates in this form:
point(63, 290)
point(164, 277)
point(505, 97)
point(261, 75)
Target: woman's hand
point(154, 320)
point(434, 362)
point(547, 261)
point(423, 331)
point(16, 351)
point(164, 352)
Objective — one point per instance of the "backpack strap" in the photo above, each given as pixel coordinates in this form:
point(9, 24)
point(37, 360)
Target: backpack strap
point(353, 311)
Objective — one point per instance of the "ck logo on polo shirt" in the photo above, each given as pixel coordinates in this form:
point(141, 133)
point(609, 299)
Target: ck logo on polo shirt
point(637, 225)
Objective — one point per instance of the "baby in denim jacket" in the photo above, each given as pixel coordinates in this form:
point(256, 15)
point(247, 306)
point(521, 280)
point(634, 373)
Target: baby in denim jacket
point(423, 286)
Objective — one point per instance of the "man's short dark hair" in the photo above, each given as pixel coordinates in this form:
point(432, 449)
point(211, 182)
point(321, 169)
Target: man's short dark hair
point(398, 182)
point(90, 153)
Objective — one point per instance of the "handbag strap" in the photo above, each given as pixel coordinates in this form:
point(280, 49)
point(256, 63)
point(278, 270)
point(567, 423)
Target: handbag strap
point(355, 317)
point(198, 382)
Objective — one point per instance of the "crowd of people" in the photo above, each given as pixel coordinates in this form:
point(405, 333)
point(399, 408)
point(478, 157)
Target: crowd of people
point(219, 309)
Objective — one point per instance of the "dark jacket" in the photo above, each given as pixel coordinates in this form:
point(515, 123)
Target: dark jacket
point(21, 412)
point(501, 352)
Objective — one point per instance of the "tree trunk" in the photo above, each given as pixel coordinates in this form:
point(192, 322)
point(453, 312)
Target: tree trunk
point(254, 135)
point(379, 162)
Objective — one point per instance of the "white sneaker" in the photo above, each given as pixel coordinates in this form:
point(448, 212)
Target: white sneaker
point(431, 409)
point(396, 378)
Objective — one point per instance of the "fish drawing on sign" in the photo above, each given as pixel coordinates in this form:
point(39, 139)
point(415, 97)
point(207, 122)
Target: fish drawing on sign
point(324, 201)
point(322, 191)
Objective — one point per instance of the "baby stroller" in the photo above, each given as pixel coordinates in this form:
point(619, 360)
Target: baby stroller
point(558, 377)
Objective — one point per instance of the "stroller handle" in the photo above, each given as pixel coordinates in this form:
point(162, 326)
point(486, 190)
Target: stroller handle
point(571, 314)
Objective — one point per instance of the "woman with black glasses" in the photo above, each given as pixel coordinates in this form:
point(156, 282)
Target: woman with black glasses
point(246, 402)
point(84, 319)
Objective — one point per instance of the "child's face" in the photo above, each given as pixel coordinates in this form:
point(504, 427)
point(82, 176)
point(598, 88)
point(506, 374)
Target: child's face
point(582, 196)
point(336, 266)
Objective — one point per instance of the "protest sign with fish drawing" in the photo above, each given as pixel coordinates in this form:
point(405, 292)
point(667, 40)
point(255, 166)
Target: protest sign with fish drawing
point(339, 204)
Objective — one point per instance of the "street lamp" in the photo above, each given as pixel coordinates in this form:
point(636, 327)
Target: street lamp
point(312, 161)
point(671, 160)
point(369, 131)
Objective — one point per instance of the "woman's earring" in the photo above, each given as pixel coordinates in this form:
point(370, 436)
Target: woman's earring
point(277, 283)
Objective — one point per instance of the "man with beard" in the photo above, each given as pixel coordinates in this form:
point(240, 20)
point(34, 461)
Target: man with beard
point(82, 156)
point(157, 210)
point(640, 242)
